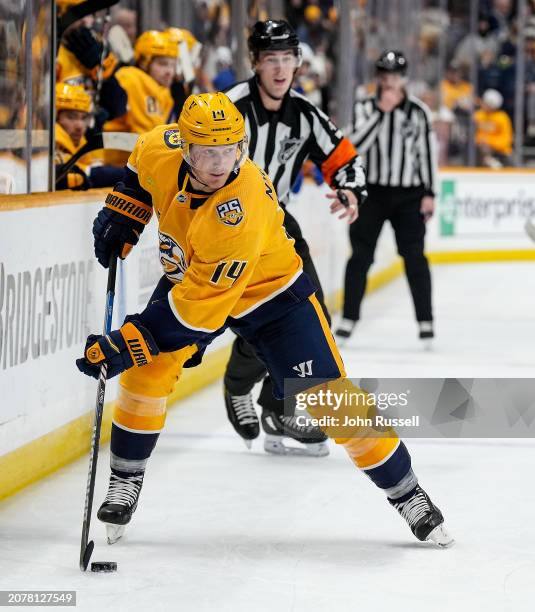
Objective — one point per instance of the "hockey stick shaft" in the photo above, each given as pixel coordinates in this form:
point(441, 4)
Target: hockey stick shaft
point(120, 141)
point(93, 143)
point(86, 548)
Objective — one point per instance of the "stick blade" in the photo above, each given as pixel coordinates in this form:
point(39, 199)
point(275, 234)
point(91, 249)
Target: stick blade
point(86, 556)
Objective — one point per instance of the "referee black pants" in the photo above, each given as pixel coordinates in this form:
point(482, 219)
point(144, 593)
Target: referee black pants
point(244, 369)
point(400, 206)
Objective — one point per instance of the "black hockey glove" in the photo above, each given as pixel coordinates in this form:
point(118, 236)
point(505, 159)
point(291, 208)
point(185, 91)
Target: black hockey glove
point(118, 226)
point(132, 345)
point(75, 178)
point(86, 48)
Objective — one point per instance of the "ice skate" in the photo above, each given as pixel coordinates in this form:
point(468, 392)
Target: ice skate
point(426, 334)
point(242, 414)
point(285, 436)
point(344, 331)
point(423, 517)
point(120, 504)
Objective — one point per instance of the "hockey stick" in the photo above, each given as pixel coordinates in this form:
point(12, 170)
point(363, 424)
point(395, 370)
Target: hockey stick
point(78, 11)
point(121, 141)
point(86, 548)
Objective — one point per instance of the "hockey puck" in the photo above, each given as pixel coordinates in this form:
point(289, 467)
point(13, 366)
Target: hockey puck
point(103, 566)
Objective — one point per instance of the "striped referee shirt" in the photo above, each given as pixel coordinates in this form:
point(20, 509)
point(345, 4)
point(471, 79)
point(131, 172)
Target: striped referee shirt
point(281, 141)
point(398, 148)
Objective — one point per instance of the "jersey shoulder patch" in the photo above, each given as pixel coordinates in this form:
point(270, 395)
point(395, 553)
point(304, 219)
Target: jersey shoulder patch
point(172, 139)
point(230, 212)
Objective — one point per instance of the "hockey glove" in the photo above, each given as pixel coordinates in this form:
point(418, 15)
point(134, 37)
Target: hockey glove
point(132, 345)
point(118, 226)
point(75, 178)
point(86, 48)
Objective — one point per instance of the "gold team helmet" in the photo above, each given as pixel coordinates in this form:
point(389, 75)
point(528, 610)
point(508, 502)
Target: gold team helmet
point(63, 5)
point(211, 119)
point(153, 44)
point(72, 97)
point(179, 35)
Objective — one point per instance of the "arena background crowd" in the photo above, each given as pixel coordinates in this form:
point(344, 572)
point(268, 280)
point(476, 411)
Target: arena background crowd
point(472, 62)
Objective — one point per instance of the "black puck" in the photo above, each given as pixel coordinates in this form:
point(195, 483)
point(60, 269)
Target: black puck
point(103, 566)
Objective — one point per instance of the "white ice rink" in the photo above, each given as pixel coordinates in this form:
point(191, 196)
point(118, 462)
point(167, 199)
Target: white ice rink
point(222, 528)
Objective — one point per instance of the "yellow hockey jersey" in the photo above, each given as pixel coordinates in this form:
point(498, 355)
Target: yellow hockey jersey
point(65, 149)
point(149, 104)
point(227, 253)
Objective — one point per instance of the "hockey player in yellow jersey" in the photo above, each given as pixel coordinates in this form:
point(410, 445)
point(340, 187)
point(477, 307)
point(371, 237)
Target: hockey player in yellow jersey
point(82, 55)
point(73, 112)
point(227, 262)
point(138, 97)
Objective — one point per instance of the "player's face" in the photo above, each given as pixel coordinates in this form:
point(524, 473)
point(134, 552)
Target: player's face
point(212, 165)
point(162, 70)
point(275, 69)
point(74, 123)
point(391, 81)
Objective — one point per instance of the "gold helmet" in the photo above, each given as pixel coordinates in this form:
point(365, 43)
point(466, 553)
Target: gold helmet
point(72, 97)
point(63, 5)
point(179, 35)
point(152, 44)
point(188, 49)
point(211, 119)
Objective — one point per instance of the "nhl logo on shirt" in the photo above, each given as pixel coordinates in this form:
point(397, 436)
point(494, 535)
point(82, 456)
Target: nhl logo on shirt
point(288, 149)
point(181, 197)
point(172, 139)
point(409, 129)
point(230, 213)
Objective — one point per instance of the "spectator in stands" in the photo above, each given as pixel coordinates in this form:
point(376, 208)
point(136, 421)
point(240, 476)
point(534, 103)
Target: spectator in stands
point(127, 19)
point(472, 45)
point(310, 76)
point(225, 74)
point(73, 108)
point(429, 68)
point(456, 92)
point(494, 131)
point(189, 71)
point(123, 33)
point(313, 31)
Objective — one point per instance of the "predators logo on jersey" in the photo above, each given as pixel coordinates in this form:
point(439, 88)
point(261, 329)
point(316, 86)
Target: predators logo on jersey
point(230, 213)
point(172, 258)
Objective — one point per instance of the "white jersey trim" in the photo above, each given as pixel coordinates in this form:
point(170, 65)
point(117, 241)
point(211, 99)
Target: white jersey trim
point(181, 320)
point(270, 296)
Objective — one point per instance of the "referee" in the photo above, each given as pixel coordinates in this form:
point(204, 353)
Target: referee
point(285, 130)
point(393, 133)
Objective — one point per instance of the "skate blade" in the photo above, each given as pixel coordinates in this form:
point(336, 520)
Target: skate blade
point(441, 537)
point(427, 344)
point(114, 532)
point(276, 446)
point(248, 443)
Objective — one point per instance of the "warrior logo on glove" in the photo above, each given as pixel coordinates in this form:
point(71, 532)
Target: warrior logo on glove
point(132, 345)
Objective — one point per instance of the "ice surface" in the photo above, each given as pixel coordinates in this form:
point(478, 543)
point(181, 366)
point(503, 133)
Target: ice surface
point(222, 528)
